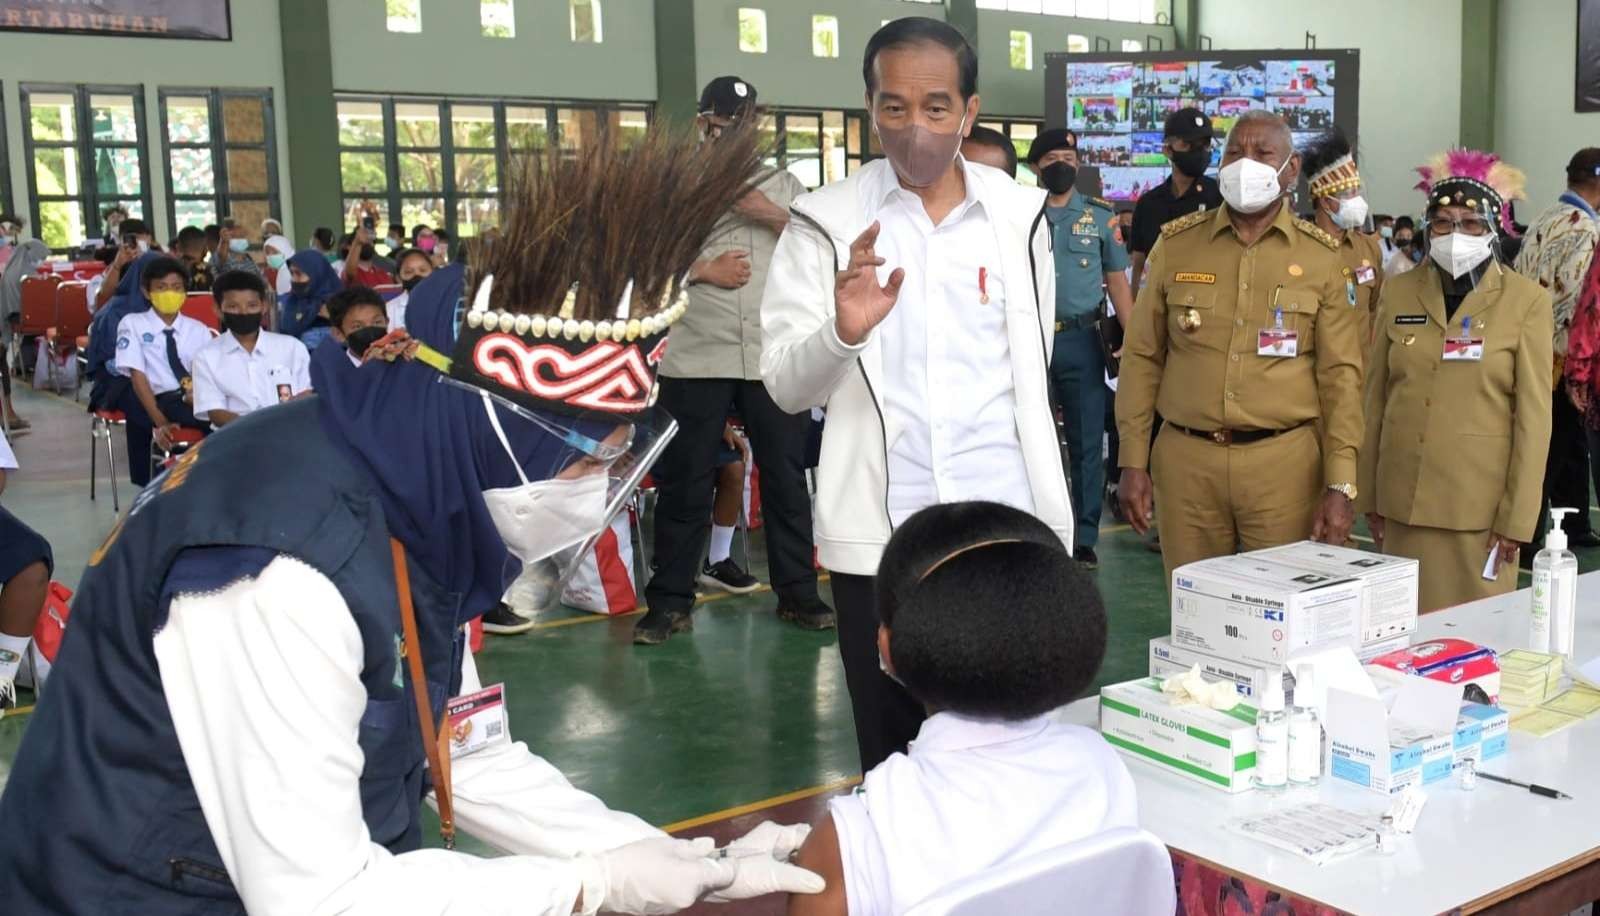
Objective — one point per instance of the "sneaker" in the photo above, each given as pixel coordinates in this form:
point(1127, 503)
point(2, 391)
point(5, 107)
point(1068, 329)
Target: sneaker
point(8, 696)
point(1086, 557)
point(727, 576)
point(657, 625)
point(503, 621)
point(1153, 542)
point(808, 614)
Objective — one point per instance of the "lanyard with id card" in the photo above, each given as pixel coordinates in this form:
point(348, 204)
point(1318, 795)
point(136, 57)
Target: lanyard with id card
point(1464, 348)
point(1277, 342)
point(477, 720)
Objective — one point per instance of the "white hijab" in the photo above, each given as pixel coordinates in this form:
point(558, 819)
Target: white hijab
point(286, 248)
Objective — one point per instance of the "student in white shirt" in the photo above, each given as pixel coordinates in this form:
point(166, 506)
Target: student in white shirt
point(246, 368)
point(989, 623)
point(915, 300)
point(411, 267)
point(155, 350)
point(359, 319)
point(25, 566)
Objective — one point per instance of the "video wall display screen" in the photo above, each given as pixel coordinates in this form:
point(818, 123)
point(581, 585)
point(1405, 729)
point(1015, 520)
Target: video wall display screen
point(1118, 103)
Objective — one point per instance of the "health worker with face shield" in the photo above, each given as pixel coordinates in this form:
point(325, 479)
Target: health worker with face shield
point(1458, 392)
point(253, 704)
point(1338, 194)
point(1243, 339)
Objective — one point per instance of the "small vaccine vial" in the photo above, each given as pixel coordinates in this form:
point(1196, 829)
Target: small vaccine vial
point(1388, 840)
point(1467, 774)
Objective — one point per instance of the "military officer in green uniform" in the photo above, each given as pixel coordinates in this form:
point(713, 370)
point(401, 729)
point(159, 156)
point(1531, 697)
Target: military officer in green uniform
point(1090, 260)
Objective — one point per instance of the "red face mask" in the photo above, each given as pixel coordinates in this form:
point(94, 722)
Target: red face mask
point(920, 155)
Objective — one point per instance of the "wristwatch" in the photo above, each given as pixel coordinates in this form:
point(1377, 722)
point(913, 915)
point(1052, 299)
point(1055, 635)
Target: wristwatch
point(1348, 490)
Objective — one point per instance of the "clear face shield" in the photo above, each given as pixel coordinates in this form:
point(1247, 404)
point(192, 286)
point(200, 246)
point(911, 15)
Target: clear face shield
point(1459, 239)
point(1349, 209)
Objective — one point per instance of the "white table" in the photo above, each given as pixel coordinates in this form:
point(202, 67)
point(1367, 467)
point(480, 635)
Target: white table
point(1470, 849)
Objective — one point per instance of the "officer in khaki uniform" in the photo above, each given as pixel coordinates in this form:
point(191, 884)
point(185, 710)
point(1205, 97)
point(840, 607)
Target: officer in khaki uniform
point(1244, 339)
point(1341, 211)
point(1458, 397)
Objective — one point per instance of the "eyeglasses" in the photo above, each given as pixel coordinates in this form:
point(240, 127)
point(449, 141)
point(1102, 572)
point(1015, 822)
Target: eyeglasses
point(1472, 225)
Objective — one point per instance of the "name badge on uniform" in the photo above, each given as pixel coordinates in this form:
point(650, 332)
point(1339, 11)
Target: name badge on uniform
point(1463, 348)
point(477, 720)
point(279, 376)
point(1366, 274)
point(1278, 342)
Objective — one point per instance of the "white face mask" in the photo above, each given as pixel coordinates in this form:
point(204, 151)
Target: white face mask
point(1249, 186)
point(144, 246)
point(1352, 212)
point(541, 518)
point(1386, 231)
point(1458, 252)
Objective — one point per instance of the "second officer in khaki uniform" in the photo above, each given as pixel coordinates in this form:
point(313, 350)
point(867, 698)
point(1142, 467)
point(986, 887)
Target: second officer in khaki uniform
point(1341, 211)
point(1244, 339)
point(1458, 394)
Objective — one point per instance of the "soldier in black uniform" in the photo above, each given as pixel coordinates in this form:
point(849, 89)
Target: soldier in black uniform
point(1186, 142)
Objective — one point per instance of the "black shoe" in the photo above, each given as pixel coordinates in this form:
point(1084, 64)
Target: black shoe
point(1584, 539)
point(728, 577)
point(656, 625)
point(1086, 557)
point(807, 614)
point(503, 621)
point(1153, 542)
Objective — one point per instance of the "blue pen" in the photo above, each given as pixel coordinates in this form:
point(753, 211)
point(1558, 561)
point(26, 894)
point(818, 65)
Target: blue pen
point(1280, 319)
point(1466, 326)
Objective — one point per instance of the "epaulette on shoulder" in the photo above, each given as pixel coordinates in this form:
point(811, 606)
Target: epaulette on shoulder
point(1316, 233)
point(1103, 203)
point(1178, 225)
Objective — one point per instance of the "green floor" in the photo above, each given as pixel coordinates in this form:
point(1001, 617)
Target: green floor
point(741, 710)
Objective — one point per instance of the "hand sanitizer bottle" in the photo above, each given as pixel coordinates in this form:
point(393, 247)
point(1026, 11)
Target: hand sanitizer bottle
point(1555, 591)
point(1305, 732)
point(1272, 737)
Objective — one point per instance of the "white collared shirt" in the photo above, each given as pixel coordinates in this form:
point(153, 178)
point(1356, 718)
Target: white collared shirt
point(8, 458)
point(229, 377)
point(142, 345)
point(396, 310)
point(972, 794)
point(949, 400)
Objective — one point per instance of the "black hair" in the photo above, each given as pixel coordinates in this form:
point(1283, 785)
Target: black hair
point(232, 280)
point(1381, 217)
point(397, 229)
point(988, 136)
point(105, 254)
point(114, 208)
point(916, 30)
point(441, 235)
point(6, 216)
point(163, 266)
point(418, 229)
point(1584, 167)
point(133, 226)
point(323, 236)
point(1404, 222)
point(405, 254)
point(988, 613)
point(340, 303)
point(189, 234)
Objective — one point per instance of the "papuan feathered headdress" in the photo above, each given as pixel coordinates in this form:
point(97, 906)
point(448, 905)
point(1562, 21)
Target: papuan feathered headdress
point(1475, 179)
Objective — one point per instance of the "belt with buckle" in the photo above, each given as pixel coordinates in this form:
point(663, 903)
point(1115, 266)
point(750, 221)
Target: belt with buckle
point(1233, 436)
point(1078, 323)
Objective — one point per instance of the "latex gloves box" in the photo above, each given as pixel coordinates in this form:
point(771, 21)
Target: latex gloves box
point(1413, 735)
point(1256, 612)
point(1168, 659)
point(1208, 746)
point(1389, 607)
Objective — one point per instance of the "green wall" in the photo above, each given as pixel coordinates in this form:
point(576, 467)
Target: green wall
point(1536, 128)
point(1021, 92)
point(253, 59)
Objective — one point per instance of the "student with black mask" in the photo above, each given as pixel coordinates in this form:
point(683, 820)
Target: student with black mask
point(412, 266)
point(246, 368)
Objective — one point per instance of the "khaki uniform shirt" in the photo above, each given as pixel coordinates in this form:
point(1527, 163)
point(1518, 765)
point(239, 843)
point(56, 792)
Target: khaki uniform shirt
point(719, 336)
point(1191, 349)
point(1458, 444)
point(1363, 277)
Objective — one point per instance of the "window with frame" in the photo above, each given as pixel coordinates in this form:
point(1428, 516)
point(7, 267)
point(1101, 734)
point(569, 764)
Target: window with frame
point(824, 36)
point(222, 157)
point(403, 15)
point(1020, 131)
point(7, 203)
point(497, 18)
point(1150, 12)
point(752, 30)
point(1021, 50)
point(818, 146)
point(443, 162)
point(85, 153)
point(585, 15)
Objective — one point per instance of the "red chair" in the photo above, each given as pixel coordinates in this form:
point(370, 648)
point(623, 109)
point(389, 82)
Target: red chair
point(100, 424)
point(38, 312)
point(183, 439)
point(202, 308)
point(72, 322)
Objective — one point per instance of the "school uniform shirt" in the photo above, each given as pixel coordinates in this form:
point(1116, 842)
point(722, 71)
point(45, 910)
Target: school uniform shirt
point(142, 345)
point(970, 795)
point(396, 310)
point(273, 752)
point(229, 377)
point(950, 414)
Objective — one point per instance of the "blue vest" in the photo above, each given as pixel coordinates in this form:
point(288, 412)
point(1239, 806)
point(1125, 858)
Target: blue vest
point(99, 815)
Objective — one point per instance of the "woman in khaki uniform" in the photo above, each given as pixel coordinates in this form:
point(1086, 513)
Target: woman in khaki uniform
point(1458, 393)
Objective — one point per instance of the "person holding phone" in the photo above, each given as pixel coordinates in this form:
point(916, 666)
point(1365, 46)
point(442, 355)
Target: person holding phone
point(360, 267)
point(233, 251)
point(134, 241)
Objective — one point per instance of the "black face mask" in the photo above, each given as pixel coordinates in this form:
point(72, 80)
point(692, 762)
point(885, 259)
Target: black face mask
point(1058, 177)
point(1192, 163)
point(360, 341)
point(1403, 243)
point(300, 289)
point(242, 325)
point(410, 283)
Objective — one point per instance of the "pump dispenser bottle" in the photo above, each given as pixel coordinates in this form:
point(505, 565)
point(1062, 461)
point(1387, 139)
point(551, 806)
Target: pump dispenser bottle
point(1272, 737)
point(1555, 592)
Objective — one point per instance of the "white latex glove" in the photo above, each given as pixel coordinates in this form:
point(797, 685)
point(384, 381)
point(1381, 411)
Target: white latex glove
point(652, 877)
point(762, 856)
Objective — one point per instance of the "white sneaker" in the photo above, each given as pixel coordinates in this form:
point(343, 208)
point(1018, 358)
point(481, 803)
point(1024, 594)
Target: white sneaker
point(8, 695)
